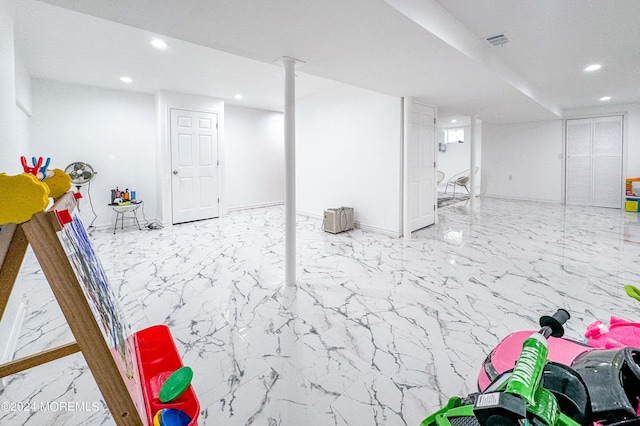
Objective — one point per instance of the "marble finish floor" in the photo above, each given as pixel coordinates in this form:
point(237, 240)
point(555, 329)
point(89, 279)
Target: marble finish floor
point(378, 331)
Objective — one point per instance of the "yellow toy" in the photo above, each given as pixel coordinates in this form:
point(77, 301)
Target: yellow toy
point(21, 197)
point(24, 195)
point(59, 183)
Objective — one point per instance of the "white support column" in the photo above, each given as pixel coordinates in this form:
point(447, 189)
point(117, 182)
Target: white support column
point(473, 161)
point(406, 129)
point(289, 172)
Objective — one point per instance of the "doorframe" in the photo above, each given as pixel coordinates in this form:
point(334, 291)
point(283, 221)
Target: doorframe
point(165, 102)
point(406, 132)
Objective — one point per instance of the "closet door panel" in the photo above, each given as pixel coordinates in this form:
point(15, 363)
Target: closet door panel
point(578, 186)
point(607, 161)
point(579, 136)
point(607, 136)
point(578, 171)
point(607, 182)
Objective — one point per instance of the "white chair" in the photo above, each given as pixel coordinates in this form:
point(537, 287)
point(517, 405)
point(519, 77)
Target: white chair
point(461, 179)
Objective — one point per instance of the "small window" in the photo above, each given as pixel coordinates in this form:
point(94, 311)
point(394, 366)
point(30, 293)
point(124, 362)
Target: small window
point(454, 135)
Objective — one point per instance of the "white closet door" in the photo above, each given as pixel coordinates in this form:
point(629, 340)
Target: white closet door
point(594, 162)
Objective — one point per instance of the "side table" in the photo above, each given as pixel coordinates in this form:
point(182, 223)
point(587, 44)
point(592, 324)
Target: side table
point(122, 210)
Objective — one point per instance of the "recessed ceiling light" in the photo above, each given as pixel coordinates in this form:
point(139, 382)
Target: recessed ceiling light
point(454, 121)
point(126, 79)
point(593, 67)
point(605, 98)
point(238, 96)
point(159, 44)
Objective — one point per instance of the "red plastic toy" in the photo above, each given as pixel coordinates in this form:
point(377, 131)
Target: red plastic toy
point(158, 358)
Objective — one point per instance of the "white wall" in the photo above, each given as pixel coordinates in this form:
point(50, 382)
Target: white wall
point(523, 160)
point(13, 121)
point(23, 86)
point(13, 144)
point(113, 131)
point(164, 102)
point(22, 109)
point(254, 157)
point(8, 159)
point(348, 147)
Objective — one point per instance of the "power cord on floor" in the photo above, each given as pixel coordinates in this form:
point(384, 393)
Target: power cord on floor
point(153, 226)
point(95, 216)
point(342, 219)
point(150, 226)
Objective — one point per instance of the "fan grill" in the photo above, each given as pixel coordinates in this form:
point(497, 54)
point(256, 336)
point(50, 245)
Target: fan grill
point(80, 173)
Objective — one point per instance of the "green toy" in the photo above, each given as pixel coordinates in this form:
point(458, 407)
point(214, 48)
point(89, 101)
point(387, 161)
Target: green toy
point(632, 291)
point(176, 384)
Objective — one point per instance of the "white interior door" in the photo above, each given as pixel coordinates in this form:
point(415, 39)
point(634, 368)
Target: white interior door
point(194, 165)
point(421, 167)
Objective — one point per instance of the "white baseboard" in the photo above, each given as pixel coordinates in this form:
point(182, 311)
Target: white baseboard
point(311, 215)
point(12, 340)
point(254, 206)
point(384, 231)
point(507, 197)
point(356, 224)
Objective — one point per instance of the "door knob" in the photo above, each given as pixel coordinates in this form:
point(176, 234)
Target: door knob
point(175, 172)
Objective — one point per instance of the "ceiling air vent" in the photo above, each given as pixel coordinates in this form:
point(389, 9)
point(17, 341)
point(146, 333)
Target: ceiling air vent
point(497, 40)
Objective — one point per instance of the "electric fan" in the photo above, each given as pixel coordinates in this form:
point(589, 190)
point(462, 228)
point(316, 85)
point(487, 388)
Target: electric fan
point(80, 173)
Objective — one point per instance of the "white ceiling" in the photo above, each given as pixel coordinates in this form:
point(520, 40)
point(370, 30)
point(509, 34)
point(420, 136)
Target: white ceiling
point(424, 48)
